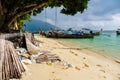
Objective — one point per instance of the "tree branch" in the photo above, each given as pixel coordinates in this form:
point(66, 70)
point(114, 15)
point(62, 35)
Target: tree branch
point(24, 6)
point(27, 11)
point(15, 7)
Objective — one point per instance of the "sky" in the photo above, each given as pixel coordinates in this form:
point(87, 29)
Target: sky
point(103, 14)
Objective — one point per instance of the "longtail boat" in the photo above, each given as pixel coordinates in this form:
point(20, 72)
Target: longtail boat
point(67, 34)
point(70, 36)
point(118, 32)
point(64, 35)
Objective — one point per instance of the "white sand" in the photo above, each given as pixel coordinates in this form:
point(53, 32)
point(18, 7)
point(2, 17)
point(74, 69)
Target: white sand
point(86, 65)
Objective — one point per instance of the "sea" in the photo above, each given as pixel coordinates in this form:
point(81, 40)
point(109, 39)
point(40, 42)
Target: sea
point(108, 43)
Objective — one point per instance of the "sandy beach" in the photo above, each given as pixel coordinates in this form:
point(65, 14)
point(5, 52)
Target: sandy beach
point(85, 65)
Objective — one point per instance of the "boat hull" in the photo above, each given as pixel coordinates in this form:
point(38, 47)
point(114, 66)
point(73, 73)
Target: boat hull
point(96, 33)
point(118, 32)
point(71, 36)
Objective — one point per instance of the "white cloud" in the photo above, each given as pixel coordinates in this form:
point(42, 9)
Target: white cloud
point(100, 13)
point(116, 17)
point(50, 21)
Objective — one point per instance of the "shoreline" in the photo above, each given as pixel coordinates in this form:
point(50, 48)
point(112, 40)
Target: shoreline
point(85, 64)
point(84, 50)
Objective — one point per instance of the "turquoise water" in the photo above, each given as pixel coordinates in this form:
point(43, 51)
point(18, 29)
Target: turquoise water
point(107, 43)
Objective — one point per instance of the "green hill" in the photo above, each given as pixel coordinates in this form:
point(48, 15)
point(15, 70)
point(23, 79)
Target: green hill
point(35, 25)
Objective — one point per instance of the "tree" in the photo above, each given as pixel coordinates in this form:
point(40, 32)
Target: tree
point(11, 10)
point(21, 20)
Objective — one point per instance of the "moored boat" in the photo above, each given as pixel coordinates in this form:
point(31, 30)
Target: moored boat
point(69, 34)
point(96, 33)
point(118, 31)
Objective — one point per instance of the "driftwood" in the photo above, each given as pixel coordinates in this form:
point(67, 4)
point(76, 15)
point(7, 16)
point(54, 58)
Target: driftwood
point(17, 38)
point(32, 49)
point(29, 40)
point(30, 37)
point(9, 36)
point(11, 65)
point(47, 57)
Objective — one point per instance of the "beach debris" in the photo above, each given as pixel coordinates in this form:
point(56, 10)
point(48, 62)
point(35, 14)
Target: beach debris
point(103, 71)
point(33, 57)
point(99, 65)
point(117, 61)
point(76, 67)
point(69, 65)
point(53, 72)
point(11, 64)
point(23, 54)
point(47, 57)
point(49, 63)
point(76, 54)
point(84, 57)
point(73, 53)
point(104, 76)
point(22, 50)
point(66, 65)
point(26, 61)
point(86, 65)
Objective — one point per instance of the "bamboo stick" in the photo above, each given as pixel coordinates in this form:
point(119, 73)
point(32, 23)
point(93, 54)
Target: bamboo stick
point(11, 65)
point(2, 45)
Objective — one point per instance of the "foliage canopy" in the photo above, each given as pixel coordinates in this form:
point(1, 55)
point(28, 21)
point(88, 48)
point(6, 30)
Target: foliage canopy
point(10, 10)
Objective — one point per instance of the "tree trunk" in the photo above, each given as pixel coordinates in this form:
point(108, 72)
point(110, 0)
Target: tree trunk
point(1, 11)
point(4, 20)
point(4, 24)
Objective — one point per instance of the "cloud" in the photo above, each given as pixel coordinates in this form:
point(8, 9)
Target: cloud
point(50, 21)
point(100, 14)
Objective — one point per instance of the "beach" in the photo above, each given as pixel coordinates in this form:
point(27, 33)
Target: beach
point(85, 64)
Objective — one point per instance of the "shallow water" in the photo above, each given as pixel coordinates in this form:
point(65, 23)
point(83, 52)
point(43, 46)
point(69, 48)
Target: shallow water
point(107, 43)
